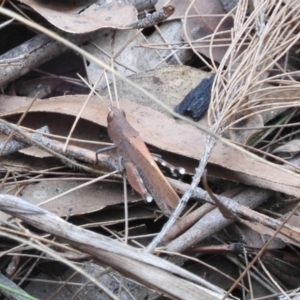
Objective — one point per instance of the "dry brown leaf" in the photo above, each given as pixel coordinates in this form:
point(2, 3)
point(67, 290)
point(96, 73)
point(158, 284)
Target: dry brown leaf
point(61, 126)
point(84, 200)
point(174, 136)
point(78, 18)
point(131, 59)
point(170, 84)
point(203, 26)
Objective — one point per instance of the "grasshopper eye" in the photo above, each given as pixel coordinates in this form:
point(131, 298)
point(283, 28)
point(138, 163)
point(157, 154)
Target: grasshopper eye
point(110, 116)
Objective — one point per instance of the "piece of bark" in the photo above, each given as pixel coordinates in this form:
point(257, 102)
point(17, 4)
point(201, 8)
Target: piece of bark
point(196, 102)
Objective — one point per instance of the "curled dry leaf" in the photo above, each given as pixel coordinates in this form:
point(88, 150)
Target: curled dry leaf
point(78, 18)
point(85, 130)
point(203, 26)
point(295, 161)
point(171, 135)
point(291, 148)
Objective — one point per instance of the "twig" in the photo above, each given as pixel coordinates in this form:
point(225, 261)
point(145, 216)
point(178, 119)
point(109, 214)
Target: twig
point(189, 220)
point(154, 18)
point(15, 145)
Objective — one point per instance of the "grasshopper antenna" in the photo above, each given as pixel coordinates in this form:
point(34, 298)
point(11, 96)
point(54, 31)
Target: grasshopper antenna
point(121, 167)
point(115, 90)
point(112, 65)
point(92, 91)
point(113, 77)
point(94, 88)
point(109, 91)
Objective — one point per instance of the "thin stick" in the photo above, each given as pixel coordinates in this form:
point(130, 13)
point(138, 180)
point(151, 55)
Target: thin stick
point(125, 209)
point(154, 18)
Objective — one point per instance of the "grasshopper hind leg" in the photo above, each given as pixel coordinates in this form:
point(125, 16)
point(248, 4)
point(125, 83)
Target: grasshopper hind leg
point(170, 170)
point(136, 181)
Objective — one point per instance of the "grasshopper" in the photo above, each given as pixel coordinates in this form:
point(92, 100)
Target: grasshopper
point(142, 172)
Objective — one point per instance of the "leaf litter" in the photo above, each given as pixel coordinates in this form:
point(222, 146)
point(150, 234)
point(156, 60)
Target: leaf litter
point(84, 17)
point(254, 113)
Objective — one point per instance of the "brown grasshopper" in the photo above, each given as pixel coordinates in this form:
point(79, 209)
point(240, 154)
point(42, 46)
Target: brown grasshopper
point(142, 171)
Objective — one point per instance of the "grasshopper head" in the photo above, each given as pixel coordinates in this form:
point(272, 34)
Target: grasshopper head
point(118, 127)
point(115, 114)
